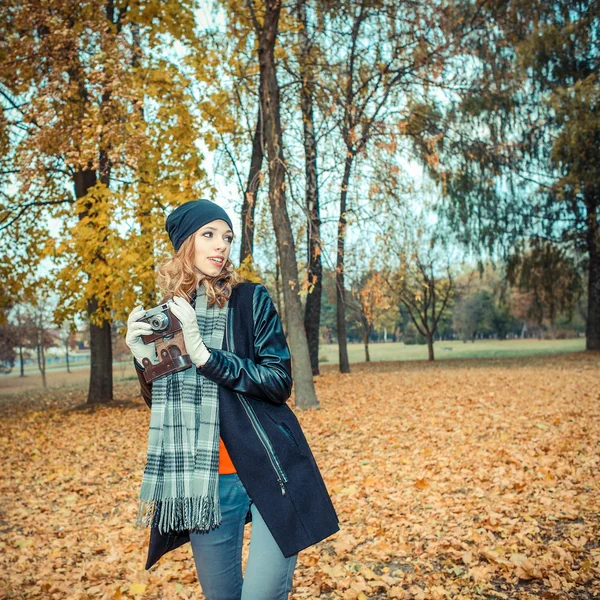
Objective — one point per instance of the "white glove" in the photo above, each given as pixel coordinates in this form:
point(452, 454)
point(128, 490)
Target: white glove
point(194, 345)
point(133, 338)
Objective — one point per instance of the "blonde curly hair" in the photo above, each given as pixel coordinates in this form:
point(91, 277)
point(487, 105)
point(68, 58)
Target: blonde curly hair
point(178, 276)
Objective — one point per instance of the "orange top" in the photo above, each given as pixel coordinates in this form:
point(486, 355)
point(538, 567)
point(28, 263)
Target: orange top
point(225, 464)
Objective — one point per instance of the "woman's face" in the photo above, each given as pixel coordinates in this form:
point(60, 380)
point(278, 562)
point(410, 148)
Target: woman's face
point(212, 242)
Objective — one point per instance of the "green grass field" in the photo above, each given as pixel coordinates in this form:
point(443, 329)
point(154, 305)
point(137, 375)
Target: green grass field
point(480, 350)
point(453, 349)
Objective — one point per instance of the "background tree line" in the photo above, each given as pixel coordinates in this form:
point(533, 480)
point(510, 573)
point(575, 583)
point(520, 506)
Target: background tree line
point(480, 306)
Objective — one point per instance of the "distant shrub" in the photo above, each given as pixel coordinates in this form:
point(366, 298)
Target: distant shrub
point(565, 334)
point(409, 336)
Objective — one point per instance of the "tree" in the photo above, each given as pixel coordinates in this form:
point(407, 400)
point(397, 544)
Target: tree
point(553, 280)
point(465, 318)
point(370, 300)
point(314, 267)
point(266, 26)
point(516, 151)
point(424, 286)
point(481, 304)
point(67, 338)
point(43, 340)
point(232, 108)
point(34, 321)
point(19, 332)
point(8, 335)
point(227, 90)
point(98, 132)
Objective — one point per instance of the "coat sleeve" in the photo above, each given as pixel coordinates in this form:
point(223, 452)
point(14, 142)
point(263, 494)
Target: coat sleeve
point(146, 387)
point(269, 376)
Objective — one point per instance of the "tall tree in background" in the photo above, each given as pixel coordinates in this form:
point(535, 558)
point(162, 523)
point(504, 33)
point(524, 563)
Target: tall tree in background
point(266, 26)
point(11, 334)
point(517, 155)
point(97, 127)
point(227, 88)
point(314, 266)
point(40, 317)
point(253, 182)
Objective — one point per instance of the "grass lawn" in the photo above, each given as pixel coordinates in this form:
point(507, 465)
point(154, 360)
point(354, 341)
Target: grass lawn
point(58, 378)
point(453, 349)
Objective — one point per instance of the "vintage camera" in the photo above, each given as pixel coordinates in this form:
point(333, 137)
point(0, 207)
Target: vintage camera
point(167, 336)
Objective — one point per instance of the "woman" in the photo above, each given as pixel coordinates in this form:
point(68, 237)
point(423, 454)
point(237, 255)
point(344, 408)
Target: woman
point(261, 469)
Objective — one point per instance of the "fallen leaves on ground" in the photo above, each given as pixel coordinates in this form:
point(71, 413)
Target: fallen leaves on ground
point(457, 479)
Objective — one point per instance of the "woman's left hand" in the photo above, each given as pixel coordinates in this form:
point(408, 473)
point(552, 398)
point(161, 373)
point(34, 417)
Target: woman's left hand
point(194, 345)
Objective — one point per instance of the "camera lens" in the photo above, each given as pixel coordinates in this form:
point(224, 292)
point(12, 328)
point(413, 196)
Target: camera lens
point(159, 322)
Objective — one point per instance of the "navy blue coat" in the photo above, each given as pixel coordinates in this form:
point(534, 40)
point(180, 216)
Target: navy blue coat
point(262, 434)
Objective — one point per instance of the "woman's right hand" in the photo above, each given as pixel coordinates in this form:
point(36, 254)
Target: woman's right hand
point(133, 338)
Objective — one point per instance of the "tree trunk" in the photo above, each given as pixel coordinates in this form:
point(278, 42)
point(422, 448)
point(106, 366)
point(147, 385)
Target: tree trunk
point(22, 366)
point(339, 272)
point(101, 381)
point(312, 310)
point(252, 186)
point(592, 326)
point(278, 302)
point(368, 329)
point(41, 356)
point(430, 345)
point(305, 395)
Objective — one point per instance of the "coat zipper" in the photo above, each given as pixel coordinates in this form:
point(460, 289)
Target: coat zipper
point(281, 476)
point(256, 424)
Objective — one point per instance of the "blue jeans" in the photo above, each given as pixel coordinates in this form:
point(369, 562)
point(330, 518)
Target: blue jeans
point(218, 552)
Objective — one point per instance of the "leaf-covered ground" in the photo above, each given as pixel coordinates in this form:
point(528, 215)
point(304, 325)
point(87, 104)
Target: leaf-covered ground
point(458, 479)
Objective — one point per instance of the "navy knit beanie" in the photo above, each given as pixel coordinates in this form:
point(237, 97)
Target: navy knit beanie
point(190, 216)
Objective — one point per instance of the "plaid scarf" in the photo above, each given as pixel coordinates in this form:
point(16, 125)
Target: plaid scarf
point(180, 485)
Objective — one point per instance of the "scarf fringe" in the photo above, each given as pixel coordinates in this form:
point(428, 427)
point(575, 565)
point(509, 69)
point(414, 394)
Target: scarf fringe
point(179, 514)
